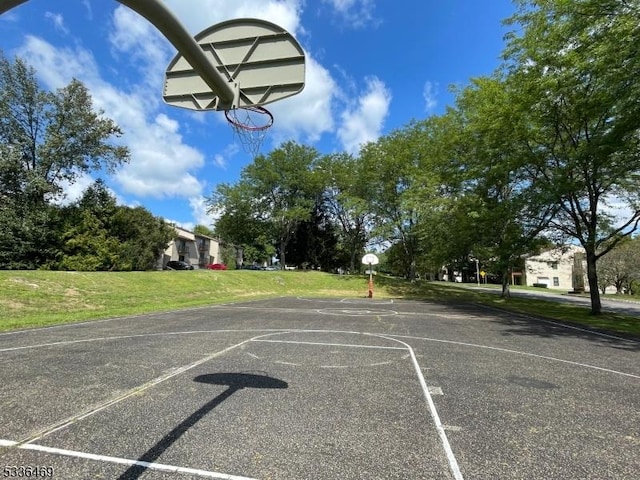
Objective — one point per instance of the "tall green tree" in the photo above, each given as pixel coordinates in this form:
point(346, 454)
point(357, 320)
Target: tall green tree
point(506, 208)
point(240, 222)
point(346, 184)
point(621, 266)
point(47, 139)
point(99, 235)
point(392, 164)
point(575, 66)
point(58, 135)
point(203, 230)
point(278, 191)
point(142, 236)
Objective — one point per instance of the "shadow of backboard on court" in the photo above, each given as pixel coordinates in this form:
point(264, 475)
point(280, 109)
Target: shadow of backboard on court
point(234, 381)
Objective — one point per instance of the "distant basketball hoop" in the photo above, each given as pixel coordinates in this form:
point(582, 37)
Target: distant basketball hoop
point(250, 125)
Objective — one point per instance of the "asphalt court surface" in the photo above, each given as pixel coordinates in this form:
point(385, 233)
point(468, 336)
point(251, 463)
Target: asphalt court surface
point(299, 388)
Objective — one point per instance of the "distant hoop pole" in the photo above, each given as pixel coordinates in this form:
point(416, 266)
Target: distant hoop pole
point(158, 14)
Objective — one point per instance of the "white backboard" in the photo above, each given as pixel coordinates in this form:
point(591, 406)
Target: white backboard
point(370, 259)
point(260, 60)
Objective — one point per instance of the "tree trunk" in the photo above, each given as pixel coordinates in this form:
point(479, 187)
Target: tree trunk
point(353, 261)
point(239, 257)
point(412, 270)
point(283, 247)
point(506, 292)
point(592, 277)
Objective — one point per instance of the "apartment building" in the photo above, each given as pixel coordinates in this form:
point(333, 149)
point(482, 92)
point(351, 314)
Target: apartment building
point(562, 268)
point(196, 249)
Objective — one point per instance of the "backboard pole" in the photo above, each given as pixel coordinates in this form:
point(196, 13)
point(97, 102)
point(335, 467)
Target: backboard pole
point(158, 14)
point(6, 5)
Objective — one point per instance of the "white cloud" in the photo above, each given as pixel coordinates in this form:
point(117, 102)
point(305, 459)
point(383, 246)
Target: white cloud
point(220, 160)
point(143, 46)
point(73, 191)
point(355, 13)
point(363, 122)
point(199, 212)
point(209, 12)
point(161, 165)
point(307, 115)
point(56, 67)
point(87, 5)
point(58, 22)
point(430, 93)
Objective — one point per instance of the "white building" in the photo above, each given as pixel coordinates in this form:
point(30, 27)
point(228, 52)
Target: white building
point(563, 268)
point(195, 249)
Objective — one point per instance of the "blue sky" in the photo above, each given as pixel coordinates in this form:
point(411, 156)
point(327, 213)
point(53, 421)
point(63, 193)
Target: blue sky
point(372, 67)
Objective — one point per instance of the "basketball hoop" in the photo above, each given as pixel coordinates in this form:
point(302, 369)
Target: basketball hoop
point(250, 125)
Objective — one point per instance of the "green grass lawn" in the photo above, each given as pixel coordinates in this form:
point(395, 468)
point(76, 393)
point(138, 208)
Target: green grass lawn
point(40, 298)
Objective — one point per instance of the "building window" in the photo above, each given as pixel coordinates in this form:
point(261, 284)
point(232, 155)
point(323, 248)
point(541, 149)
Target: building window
point(554, 265)
point(556, 281)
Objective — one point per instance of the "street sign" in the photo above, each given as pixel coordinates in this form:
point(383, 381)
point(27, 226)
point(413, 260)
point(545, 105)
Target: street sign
point(370, 259)
point(483, 273)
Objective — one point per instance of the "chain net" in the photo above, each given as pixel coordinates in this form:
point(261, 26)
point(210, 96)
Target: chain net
point(250, 125)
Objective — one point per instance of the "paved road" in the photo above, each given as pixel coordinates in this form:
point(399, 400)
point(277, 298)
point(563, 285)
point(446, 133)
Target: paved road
point(296, 388)
point(628, 307)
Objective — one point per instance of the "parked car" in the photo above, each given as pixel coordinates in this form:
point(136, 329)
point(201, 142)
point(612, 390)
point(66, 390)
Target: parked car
point(217, 266)
point(251, 267)
point(178, 265)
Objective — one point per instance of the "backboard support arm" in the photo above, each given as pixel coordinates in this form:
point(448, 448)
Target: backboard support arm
point(167, 23)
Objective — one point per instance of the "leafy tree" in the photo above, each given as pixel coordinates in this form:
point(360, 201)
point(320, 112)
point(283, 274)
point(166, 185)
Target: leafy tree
point(204, 230)
point(143, 238)
point(620, 267)
point(575, 68)
point(240, 223)
point(345, 202)
point(58, 135)
point(99, 235)
point(315, 243)
point(275, 194)
point(505, 209)
point(46, 139)
point(287, 189)
point(87, 245)
point(392, 163)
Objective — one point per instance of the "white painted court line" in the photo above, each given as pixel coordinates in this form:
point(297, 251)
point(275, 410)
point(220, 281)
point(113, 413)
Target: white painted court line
point(506, 350)
point(453, 463)
point(123, 461)
point(141, 335)
point(382, 347)
point(355, 301)
point(134, 391)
